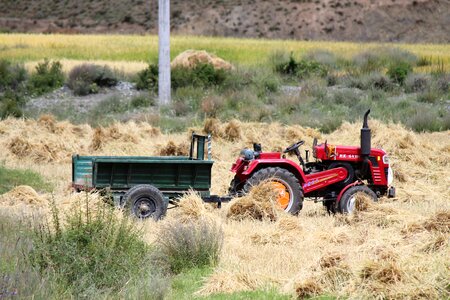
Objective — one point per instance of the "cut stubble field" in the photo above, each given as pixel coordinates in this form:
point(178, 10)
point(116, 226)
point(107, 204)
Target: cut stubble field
point(396, 249)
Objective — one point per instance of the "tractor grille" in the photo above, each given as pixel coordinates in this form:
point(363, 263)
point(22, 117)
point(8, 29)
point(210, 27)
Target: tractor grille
point(376, 175)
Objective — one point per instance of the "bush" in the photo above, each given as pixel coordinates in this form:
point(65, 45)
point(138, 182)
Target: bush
point(398, 71)
point(12, 77)
point(142, 101)
point(148, 79)
point(95, 251)
point(416, 83)
point(48, 76)
point(19, 280)
point(87, 78)
point(323, 57)
point(300, 69)
point(425, 121)
point(373, 60)
point(202, 75)
point(10, 104)
point(188, 245)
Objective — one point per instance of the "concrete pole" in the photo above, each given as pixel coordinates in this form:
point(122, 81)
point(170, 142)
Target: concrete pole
point(164, 52)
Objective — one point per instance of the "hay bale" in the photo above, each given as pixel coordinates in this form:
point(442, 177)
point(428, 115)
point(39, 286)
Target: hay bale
point(288, 223)
point(191, 208)
point(330, 260)
point(222, 281)
point(192, 58)
point(259, 204)
point(22, 194)
point(439, 222)
point(98, 139)
point(212, 126)
point(20, 147)
point(172, 149)
point(232, 131)
point(308, 288)
point(48, 121)
point(384, 272)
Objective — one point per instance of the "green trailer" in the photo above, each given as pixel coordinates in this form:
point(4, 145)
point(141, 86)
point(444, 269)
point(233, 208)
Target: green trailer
point(146, 185)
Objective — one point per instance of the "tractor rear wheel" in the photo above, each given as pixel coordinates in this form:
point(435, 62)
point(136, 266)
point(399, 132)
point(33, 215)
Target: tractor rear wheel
point(290, 192)
point(348, 199)
point(145, 201)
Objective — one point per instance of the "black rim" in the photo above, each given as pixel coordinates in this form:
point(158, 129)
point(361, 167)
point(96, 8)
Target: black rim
point(144, 207)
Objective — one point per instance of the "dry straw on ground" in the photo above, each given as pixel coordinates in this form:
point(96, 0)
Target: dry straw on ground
point(394, 249)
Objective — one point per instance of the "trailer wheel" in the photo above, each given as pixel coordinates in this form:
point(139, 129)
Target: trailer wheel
point(144, 201)
point(290, 196)
point(348, 200)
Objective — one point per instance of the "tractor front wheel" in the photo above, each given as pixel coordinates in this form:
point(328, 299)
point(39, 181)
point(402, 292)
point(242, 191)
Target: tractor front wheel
point(348, 201)
point(289, 191)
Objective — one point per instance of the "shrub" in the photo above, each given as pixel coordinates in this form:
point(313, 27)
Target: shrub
point(373, 60)
point(147, 79)
point(95, 250)
point(323, 57)
point(10, 104)
point(187, 245)
point(48, 76)
point(429, 95)
point(202, 75)
point(398, 71)
point(301, 69)
point(19, 280)
point(142, 101)
point(416, 83)
point(87, 78)
point(12, 76)
point(424, 121)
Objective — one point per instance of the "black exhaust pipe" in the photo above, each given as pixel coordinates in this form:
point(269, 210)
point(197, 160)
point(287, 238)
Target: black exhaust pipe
point(365, 143)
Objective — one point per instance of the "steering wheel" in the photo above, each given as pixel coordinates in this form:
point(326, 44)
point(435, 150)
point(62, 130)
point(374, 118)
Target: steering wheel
point(293, 147)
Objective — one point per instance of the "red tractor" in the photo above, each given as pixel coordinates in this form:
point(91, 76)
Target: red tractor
point(334, 178)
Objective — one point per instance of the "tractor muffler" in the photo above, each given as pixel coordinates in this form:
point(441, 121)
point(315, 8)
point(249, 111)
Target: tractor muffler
point(365, 143)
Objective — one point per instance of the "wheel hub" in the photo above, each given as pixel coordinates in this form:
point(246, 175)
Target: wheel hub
point(283, 195)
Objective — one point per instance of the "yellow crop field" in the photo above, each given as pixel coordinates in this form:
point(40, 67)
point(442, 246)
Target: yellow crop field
point(139, 48)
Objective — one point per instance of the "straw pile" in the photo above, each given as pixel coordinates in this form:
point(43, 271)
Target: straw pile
point(22, 195)
point(192, 208)
point(192, 58)
point(172, 149)
point(259, 204)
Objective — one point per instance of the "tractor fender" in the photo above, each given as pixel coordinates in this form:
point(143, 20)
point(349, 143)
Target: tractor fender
point(287, 164)
point(358, 182)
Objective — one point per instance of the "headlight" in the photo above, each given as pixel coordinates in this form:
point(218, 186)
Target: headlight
point(390, 178)
point(386, 159)
point(247, 154)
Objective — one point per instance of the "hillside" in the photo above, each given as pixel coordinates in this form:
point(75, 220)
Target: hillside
point(355, 20)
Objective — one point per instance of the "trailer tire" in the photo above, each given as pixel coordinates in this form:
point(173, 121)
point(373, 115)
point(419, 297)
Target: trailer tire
point(145, 201)
point(287, 179)
point(347, 202)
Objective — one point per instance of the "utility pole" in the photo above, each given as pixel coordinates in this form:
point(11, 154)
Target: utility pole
point(164, 52)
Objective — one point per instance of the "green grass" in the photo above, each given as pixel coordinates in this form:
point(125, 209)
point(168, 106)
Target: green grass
point(185, 284)
point(10, 178)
